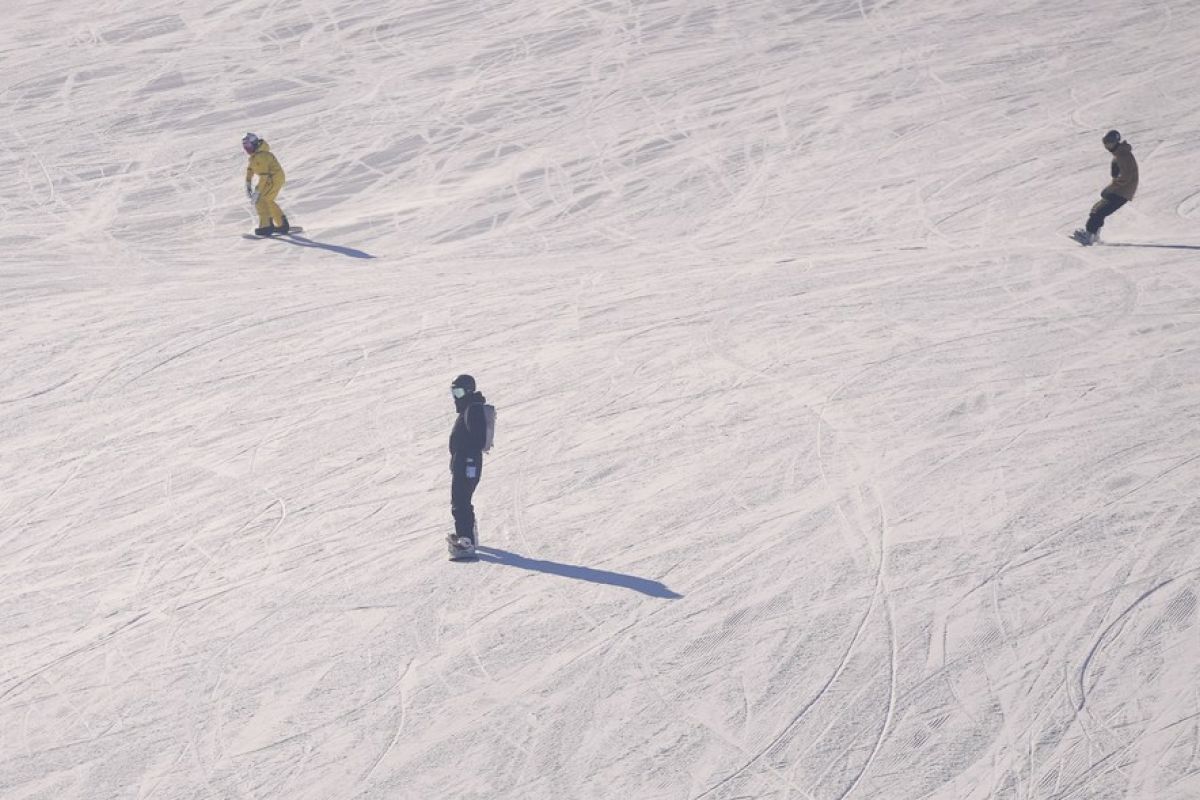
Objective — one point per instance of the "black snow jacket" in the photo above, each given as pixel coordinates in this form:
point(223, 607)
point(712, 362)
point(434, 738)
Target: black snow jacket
point(468, 434)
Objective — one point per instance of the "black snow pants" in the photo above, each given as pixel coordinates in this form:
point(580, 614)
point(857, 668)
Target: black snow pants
point(462, 489)
point(1106, 205)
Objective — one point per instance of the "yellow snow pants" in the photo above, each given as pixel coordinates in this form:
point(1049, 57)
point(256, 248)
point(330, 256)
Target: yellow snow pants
point(269, 212)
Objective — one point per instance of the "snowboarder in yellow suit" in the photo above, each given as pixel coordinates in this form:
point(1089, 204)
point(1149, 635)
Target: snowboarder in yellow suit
point(263, 163)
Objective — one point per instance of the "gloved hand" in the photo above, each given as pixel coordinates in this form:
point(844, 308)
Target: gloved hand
point(249, 192)
point(254, 198)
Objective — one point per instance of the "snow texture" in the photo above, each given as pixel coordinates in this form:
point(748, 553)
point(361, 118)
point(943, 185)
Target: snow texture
point(827, 466)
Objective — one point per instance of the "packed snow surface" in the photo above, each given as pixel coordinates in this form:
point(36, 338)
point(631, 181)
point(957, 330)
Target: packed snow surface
point(827, 466)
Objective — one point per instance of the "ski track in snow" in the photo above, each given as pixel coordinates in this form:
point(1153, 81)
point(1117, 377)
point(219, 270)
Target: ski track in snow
point(827, 467)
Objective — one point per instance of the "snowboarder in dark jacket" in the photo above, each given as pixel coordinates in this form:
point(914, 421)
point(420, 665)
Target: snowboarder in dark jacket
point(1120, 190)
point(467, 439)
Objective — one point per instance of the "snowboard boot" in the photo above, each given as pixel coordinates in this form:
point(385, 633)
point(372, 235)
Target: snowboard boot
point(461, 548)
point(1085, 237)
point(283, 227)
point(264, 231)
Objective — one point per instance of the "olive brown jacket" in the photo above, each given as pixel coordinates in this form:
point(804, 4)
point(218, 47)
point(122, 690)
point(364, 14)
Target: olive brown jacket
point(1124, 173)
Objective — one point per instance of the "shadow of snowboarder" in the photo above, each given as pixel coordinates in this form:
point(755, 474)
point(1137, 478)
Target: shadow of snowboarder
point(301, 241)
point(1162, 246)
point(643, 585)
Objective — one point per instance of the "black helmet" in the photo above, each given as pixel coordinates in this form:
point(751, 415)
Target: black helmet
point(1112, 138)
point(464, 382)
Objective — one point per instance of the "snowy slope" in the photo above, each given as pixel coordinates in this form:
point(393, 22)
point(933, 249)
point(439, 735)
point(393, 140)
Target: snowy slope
point(827, 467)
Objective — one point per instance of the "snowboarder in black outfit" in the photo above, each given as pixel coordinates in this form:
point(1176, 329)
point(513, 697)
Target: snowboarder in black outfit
point(1120, 190)
point(467, 440)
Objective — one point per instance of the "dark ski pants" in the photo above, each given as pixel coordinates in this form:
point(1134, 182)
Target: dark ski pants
point(1107, 204)
point(462, 489)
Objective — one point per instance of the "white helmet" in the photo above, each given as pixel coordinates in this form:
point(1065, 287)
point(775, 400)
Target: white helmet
point(250, 142)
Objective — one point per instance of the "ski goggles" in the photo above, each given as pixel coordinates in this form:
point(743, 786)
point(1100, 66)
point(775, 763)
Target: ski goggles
point(458, 392)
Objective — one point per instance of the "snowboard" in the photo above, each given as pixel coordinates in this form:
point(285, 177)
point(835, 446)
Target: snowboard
point(291, 230)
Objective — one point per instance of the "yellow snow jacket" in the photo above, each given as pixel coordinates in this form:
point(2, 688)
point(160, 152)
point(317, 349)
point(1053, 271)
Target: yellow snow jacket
point(265, 165)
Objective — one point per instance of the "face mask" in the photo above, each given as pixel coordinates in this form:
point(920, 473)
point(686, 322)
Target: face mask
point(458, 392)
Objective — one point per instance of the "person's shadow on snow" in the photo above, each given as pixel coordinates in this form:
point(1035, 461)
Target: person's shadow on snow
point(301, 241)
point(1163, 246)
point(645, 586)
